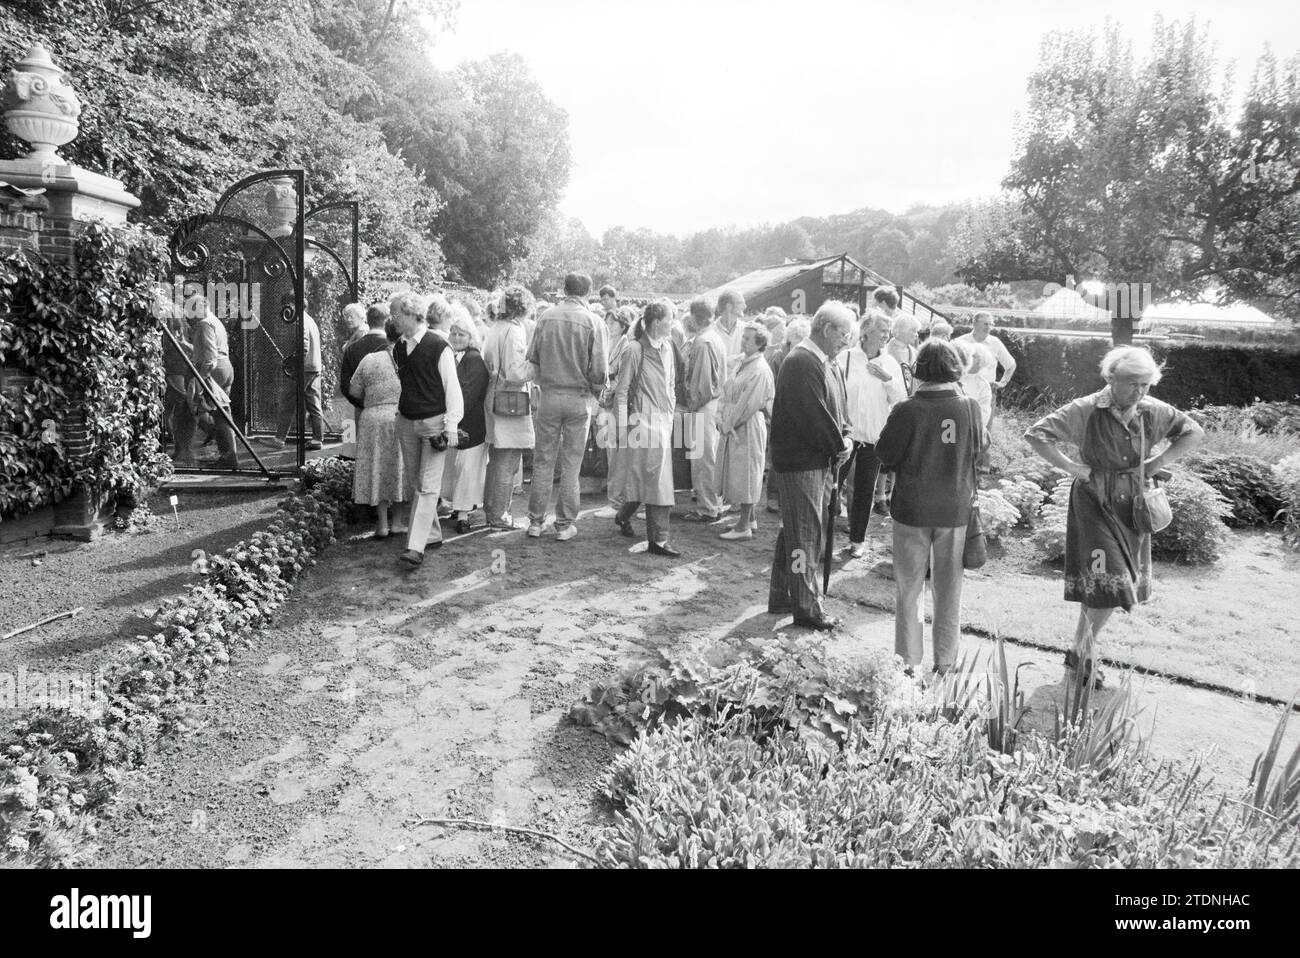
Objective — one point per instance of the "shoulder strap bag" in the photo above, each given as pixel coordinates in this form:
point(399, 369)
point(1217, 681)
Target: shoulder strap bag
point(976, 551)
point(1151, 509)
point(507, 402)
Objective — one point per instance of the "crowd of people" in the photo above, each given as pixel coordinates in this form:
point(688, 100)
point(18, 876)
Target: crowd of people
point(863, 406)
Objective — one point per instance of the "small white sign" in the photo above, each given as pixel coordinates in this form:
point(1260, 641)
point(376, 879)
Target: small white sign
point(173, 501)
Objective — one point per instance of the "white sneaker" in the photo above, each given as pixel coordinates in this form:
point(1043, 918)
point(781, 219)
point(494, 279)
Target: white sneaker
point(733, 534)
point(534, 531)
point(567, 533)
point(857, 550)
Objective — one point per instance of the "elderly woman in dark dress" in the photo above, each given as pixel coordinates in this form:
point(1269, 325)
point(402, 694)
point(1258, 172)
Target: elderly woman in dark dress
point(1107, 562)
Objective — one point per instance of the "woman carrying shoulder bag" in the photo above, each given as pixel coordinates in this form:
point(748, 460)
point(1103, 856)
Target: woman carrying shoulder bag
point(932, 441)
point(1107, 533)
point(509, 402)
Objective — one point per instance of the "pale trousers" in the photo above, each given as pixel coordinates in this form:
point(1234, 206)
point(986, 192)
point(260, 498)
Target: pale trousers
point(563, 421)
point(499, 487)
point(940, 549)
point(423, 478)
point(702, 440)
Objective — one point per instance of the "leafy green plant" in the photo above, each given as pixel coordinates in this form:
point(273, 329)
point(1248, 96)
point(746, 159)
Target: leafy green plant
point(1246, 482)
point(60, 766)
point(794, 684)
point(997, 515)
point(1277, 796)
point(1197, 533)
point(85, 333)
point(1049, 536)
point(1026, 495)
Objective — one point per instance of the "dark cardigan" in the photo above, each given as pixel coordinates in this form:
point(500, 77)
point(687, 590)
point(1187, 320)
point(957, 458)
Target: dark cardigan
point(932, 442)
point(807, 416)
point(472, 374)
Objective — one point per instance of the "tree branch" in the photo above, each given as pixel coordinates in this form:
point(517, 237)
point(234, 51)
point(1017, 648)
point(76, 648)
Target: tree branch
point(516, 829)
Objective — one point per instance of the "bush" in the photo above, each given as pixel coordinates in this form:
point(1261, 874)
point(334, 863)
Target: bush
point(997, 515)
point(1264, 416)
point(911, 792)
point(1247, 483)
point(84, 332)
point(1197, 533)
point(796, 684)
point(1287, 474)
point(1025, 495)
point(59, 765)
point(1049, 538)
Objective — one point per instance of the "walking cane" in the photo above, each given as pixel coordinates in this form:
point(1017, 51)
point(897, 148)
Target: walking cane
point(830, 536)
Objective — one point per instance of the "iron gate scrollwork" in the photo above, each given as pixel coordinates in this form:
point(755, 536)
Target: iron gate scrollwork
point(242, 266)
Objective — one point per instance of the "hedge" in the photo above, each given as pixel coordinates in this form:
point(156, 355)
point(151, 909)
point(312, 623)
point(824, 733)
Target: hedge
point(84, 332)
point(60, 765)
point(1057, 369)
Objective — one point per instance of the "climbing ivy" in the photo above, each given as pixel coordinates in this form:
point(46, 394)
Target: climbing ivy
point(85, 331)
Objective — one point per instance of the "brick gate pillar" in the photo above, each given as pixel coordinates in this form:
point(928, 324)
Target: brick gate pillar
point(44, 202)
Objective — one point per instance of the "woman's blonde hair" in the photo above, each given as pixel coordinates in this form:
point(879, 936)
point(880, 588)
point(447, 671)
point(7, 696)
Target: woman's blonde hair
point(1133, 360)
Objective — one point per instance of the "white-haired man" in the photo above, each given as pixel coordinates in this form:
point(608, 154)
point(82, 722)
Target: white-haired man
point(727, 321)
point(809, 442)
point(430, 408)
point(994, 353)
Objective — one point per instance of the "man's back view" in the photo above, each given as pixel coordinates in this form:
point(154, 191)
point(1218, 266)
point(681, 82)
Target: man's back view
point(568, 349)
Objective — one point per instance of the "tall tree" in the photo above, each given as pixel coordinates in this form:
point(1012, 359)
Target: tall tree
point(1138, 173)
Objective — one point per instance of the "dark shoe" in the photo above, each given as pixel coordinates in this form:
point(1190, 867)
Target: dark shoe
point(1072, 663)
point(462, 527)
point(411, 557)
point(624, 527)
point(314, 445)
point(880, 507)
point(821, 625)
point(436, 544)
point(663, 550)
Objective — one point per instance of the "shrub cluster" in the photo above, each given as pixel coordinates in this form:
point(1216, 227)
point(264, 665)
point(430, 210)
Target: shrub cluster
point(85, 332)
point(911, 792)
point(1246, 482)
point(59, 765)
point(1198, 533)
point(997, 515)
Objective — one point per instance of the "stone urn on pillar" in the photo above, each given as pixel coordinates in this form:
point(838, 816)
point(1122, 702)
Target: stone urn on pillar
point(40, 107)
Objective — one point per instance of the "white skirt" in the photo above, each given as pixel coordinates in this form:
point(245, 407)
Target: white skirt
point(463, 474)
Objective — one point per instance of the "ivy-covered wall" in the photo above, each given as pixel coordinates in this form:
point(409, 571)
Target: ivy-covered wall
point(83, 399)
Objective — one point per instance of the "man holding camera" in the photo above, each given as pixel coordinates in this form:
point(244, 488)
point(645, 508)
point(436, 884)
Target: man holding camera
point(430, 408)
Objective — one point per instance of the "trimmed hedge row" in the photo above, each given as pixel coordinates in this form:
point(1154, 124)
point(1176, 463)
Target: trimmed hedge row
point(59, 765)
point(1057, 369)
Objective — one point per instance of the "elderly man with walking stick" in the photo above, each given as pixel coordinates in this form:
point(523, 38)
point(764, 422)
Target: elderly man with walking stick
point(809, 443)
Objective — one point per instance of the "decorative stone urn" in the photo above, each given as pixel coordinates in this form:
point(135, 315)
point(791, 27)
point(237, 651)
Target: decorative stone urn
point(282, 207)
point(40, 107)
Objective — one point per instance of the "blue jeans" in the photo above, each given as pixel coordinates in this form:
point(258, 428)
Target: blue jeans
point(499, 487)
point(563, 421)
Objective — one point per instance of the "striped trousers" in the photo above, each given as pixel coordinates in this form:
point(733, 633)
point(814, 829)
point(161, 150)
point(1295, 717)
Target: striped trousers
point(796, 560)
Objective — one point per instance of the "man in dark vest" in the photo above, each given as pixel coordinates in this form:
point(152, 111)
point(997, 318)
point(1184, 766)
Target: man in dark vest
point(430, 407)
point(809, 442)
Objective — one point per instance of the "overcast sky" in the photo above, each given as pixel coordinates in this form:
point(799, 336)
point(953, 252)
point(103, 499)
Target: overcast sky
point(686, 114)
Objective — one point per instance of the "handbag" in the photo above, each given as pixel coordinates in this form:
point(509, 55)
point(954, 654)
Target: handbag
point(510, 403)
point(976, 551)
point(1151, 509)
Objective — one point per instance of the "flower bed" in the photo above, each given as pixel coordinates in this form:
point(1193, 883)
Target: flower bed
point(59, 765)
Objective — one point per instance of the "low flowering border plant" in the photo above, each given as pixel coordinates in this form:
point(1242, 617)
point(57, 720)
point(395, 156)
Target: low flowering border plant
point(59, 767)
